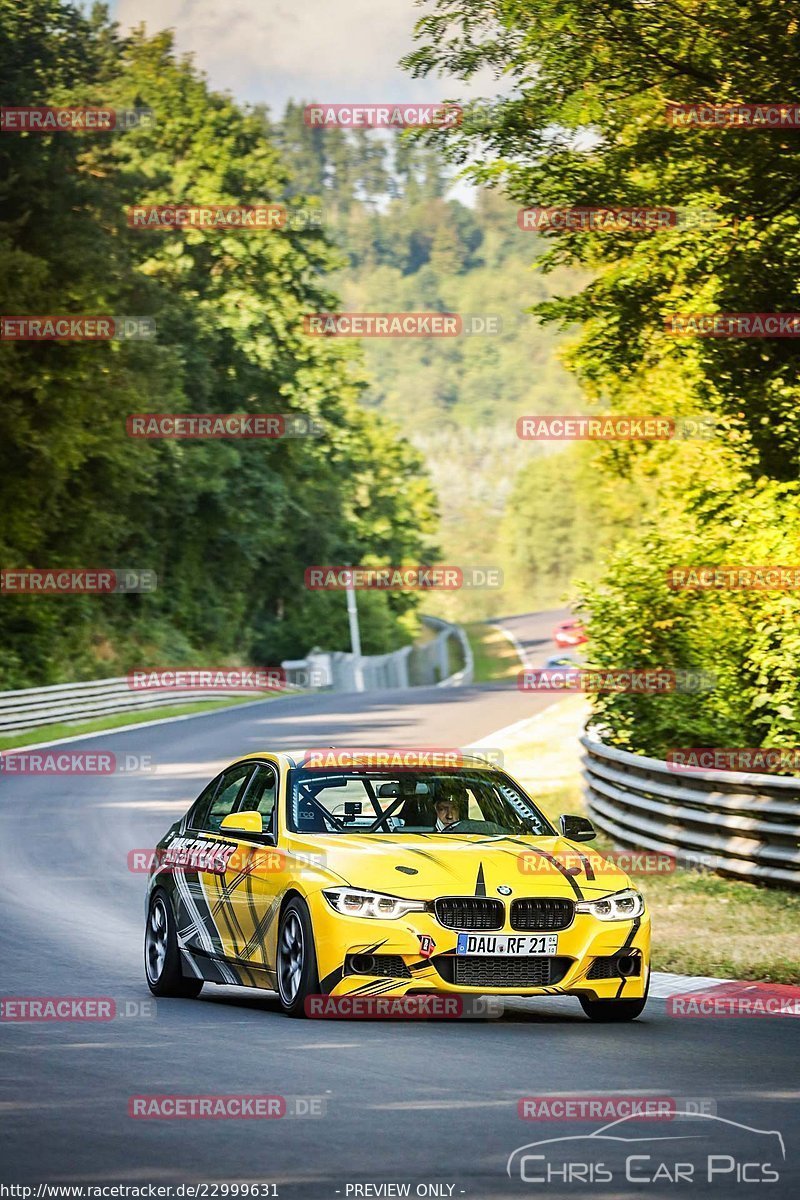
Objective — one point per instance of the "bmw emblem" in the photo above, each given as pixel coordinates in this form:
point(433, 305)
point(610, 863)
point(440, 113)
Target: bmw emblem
point(504, 891)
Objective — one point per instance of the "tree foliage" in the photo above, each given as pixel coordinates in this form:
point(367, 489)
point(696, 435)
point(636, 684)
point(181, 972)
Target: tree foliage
point(228, 526)
point(581, 120)
point(585, 124)
point(410, 245)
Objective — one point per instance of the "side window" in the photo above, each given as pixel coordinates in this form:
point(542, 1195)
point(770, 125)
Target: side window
point(231, 787)
point(260, 796)
point(199, 810)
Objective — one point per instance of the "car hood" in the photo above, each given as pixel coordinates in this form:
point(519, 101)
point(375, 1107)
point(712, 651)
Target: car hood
point(415, 865)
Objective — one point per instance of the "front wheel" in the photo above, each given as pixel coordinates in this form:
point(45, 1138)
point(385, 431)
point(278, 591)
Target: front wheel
point(614, 1010)
point(162, 958)
point(297, 959)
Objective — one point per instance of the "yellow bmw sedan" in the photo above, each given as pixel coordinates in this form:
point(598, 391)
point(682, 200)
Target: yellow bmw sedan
point(336, 873)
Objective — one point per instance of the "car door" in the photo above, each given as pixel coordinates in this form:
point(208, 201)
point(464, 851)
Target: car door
point(255, 890)
point(208, 859)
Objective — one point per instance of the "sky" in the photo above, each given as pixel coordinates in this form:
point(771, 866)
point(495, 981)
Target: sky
point(328, 50)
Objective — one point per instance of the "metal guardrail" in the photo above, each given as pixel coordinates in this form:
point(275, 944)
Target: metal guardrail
point(31, 707)
point(423, 664)
point(744, 825)
point(447, 633)
point(428, 662)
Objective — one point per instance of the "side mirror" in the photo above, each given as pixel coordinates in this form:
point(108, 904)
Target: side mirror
point(242, 822)
point(577, 829)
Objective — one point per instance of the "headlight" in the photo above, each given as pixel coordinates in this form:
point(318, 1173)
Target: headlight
point(621, 906)
point(352, 902)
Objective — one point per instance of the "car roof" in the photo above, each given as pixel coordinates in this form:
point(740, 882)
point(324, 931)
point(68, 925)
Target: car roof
point(294, 758)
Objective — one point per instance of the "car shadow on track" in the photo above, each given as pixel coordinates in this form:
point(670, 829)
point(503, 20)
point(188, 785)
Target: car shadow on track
point(554, 1012)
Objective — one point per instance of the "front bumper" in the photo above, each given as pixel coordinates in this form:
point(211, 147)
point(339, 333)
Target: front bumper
point(430, 967)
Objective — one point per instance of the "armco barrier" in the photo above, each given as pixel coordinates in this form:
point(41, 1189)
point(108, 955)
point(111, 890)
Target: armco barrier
point(428, 662)
point(447, 637)
point(748, 825)
point(31, 707)
point(423, 664)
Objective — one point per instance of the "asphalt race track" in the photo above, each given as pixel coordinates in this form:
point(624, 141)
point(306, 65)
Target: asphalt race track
point(412, 1103)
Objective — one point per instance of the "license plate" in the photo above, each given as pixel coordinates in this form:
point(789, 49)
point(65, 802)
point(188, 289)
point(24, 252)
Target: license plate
point(507, 943)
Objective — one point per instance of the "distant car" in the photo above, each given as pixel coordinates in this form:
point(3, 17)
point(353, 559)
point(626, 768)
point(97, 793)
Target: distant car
point(563, 660)
point(311, 879)
point(569, 633)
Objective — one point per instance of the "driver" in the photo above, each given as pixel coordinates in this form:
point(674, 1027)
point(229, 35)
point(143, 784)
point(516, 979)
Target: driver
point(450, 808)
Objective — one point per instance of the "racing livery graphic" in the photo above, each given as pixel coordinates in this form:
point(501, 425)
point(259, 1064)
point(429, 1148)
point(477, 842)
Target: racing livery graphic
point(199, 855)
point(296, 874)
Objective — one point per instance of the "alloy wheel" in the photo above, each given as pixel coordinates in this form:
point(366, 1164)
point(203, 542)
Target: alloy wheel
point(156, 940)
point(290, 958)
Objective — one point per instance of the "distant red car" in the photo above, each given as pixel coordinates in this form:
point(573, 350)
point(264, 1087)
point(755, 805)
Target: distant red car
point(569, 633)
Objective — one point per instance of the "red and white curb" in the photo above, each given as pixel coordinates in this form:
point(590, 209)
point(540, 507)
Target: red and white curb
point(663, 984)
point(704, 996)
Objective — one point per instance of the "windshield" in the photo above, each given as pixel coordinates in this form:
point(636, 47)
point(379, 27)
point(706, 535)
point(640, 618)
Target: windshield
point(446, 803)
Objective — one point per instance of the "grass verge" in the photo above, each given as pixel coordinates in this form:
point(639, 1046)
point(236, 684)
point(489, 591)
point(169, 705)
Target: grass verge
point(494, 653)
point(703, 924)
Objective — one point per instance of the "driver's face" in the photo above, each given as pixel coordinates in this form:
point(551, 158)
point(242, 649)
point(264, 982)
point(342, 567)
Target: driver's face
point(447, 811)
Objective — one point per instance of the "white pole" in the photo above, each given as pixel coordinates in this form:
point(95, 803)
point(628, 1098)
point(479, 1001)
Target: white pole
point(355, 637)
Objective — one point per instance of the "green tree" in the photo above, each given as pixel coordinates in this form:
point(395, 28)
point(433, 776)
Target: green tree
point(228, 526)
point(585, 124)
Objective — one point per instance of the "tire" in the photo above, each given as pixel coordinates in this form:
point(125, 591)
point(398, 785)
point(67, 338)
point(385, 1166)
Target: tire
point(296, 964)
point(614, 1010)
point(162, 958)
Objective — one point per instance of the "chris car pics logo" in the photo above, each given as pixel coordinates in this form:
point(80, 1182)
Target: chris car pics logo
point(697, 1149)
